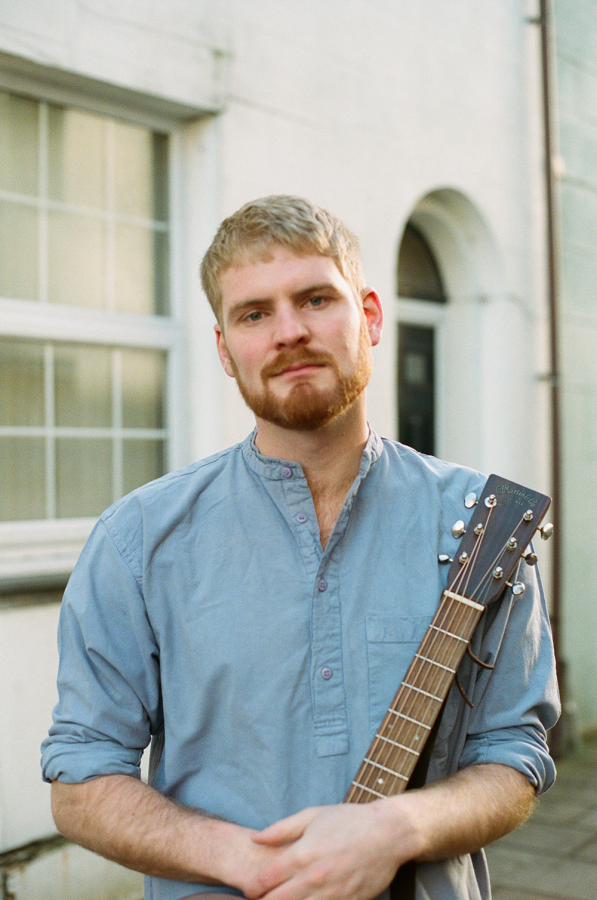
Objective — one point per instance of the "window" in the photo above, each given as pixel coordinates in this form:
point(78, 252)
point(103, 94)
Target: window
point(85, 333)
point(418, 280)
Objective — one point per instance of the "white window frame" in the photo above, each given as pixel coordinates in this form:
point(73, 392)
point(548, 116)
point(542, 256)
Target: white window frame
point(41, 553)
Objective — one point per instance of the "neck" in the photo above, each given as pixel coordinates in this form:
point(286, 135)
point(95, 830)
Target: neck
point(325, 454)
point(330, 457)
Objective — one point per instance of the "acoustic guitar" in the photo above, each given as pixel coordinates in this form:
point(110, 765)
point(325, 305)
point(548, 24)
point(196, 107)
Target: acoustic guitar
point(502, 524)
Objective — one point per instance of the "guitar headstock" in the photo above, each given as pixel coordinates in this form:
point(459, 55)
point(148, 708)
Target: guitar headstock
point(500, 529)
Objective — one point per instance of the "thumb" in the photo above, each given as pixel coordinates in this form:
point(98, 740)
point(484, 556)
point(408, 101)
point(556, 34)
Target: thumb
point(285, 830)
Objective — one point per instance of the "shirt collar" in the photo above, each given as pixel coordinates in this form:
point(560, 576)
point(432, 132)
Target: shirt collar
point(279, 469)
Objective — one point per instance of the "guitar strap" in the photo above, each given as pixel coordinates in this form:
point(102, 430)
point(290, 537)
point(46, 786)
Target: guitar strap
point(403, 884)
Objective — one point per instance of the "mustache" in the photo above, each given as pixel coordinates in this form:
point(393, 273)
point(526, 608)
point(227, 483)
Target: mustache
point(288, 358)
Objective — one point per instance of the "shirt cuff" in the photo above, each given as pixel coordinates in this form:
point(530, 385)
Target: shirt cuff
point(523, 748)
point(76, 762)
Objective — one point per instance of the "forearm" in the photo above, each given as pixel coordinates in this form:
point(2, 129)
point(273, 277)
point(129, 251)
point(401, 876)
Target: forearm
point(123, 819)
point(470, 809)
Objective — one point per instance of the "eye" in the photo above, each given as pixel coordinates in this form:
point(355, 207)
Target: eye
point(254, 316)
point(316, 301)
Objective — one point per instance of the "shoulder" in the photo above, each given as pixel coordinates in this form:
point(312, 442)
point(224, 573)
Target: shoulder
point(419, 471)
point(158, 508)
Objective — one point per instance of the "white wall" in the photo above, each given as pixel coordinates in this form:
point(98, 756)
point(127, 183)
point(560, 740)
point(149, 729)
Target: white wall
point(364, 106)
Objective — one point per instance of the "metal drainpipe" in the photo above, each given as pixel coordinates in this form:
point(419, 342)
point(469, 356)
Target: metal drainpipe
point(558, 737)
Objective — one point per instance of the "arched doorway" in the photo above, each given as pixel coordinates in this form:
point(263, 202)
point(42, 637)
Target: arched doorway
point(461, 337)
point(419, 280)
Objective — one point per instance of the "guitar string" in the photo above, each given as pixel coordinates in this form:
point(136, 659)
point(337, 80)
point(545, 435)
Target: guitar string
point(417, 708)
point(385, 752)
point(420, 669)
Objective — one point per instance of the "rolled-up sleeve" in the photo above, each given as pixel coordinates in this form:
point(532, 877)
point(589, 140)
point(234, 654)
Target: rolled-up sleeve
point(108, 679)
point(518, 701)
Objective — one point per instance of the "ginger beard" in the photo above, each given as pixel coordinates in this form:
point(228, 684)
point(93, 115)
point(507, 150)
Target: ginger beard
point(307, 407)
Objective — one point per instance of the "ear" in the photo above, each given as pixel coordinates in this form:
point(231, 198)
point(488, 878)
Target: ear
point(223, 351)
point(373, 312)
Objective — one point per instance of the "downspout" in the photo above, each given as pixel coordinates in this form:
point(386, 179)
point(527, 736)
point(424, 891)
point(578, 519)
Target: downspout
point(558, 736)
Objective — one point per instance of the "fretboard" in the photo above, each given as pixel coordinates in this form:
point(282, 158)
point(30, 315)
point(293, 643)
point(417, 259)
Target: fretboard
point(395, 749)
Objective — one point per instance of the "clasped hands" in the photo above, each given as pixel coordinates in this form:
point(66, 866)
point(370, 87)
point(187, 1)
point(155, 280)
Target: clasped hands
point(323, 853)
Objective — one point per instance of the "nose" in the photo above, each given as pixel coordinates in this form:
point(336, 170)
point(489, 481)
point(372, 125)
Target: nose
point(290, 327)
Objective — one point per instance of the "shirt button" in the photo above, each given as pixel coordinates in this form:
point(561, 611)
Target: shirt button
point(326, 673)
point(287, 472)
point(301, 517)
point(323, 585)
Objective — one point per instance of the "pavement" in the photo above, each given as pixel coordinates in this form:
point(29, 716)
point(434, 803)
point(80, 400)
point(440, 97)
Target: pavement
point(554, 855)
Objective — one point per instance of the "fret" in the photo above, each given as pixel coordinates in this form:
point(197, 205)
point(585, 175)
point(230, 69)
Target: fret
point(408, 719)
point(421, 691)
point(449, 633)
point(396, 744)
point(385, 768)
point(368, 789)
point(434, 662)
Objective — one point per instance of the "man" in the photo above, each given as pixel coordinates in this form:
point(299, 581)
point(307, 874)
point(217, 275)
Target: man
point(256, 612)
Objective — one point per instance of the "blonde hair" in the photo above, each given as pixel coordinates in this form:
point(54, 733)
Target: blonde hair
point(252, 232)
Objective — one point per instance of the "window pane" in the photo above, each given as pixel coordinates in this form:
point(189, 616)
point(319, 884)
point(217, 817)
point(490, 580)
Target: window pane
point(143, 389)
point(19, 255)
point(418, 275)
point(133, 170)
point(21, 383)
point(83, 476)
point(18, 144)
point(142, 462)
point(134, 285)
point(77, 157)
point(160, 177)
point(160, 260)
point(76, 260)
point(22, 487)
point(82, 384)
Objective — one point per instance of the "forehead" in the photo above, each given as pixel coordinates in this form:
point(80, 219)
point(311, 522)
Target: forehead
point(279, 271)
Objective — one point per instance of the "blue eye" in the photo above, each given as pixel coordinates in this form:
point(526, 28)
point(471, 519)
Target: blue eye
point(316, 301)
point(254, 316)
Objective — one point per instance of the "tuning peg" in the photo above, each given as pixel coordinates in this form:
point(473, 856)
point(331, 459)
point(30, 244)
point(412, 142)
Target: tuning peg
point(470, 500)
point(518, 588)
point(546, 531)
point(458, 528)
point(444, 558)
point(530, 558)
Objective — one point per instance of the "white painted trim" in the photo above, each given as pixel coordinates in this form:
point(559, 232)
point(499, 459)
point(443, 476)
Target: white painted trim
point(40, 551)
point(55, 322)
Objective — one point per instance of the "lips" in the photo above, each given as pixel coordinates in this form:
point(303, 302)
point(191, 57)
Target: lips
point(288, 363)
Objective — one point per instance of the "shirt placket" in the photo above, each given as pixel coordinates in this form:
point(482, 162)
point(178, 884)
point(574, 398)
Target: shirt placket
point(330, 721)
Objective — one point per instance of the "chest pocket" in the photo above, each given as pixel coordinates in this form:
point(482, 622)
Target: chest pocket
point(392, 642)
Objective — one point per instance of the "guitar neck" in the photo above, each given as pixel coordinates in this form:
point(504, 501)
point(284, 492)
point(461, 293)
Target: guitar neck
point(395, 749)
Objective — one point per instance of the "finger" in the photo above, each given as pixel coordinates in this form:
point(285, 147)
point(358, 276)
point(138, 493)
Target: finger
point(285, 830)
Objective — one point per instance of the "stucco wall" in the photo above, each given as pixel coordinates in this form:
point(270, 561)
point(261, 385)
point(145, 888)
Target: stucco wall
point(576, 39)
point(367, 107)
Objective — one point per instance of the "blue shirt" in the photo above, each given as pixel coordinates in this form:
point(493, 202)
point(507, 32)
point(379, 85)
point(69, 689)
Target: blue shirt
point(204, 607)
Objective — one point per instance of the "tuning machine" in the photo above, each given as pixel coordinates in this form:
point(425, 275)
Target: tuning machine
point(458, 529)
point(546, 531)
point(530, 558)
point(518, 588)
point(444, 558)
